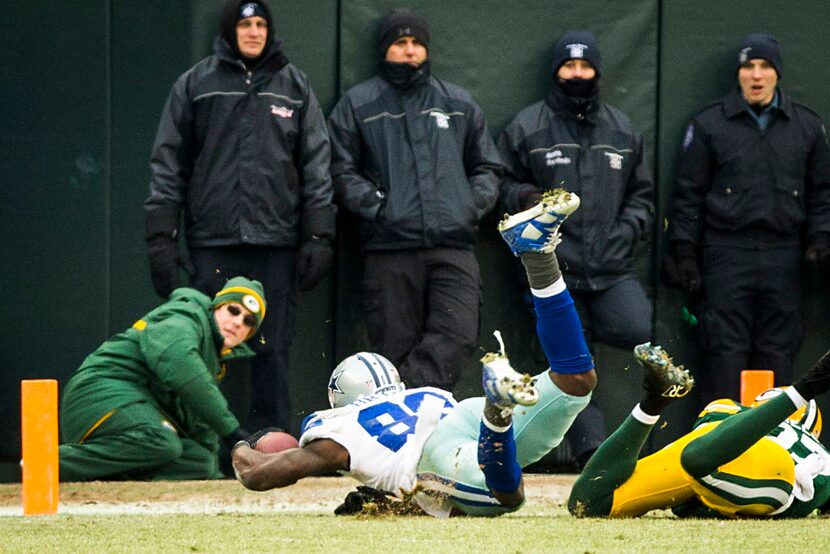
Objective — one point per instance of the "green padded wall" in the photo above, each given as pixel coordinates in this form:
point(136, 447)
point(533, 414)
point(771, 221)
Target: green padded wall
point(54, 191)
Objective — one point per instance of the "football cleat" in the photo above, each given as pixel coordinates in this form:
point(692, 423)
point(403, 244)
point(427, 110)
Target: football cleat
point(504, 386)
point(660, 376)
point(537, 228)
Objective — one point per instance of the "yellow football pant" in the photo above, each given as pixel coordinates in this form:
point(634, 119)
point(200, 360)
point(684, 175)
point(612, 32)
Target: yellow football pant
point(756, 483)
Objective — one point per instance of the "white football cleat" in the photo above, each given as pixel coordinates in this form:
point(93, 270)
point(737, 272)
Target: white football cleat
point(537, 228)
point(504, 386)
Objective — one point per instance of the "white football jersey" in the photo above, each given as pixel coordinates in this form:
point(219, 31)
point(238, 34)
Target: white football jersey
point(384, 434)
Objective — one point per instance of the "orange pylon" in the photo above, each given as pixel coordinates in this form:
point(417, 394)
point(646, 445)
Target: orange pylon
point(754, 382)
point(39, 431)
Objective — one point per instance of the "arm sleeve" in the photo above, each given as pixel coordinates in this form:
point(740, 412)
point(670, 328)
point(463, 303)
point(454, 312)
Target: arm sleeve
point(171, 162)
point(693, 179)
point(171, 351)
point(314, 157)
point(202, 397)
point(482, 163)
point(516, 181)
point(353, 190)
point(818, 186)
point(638, 208)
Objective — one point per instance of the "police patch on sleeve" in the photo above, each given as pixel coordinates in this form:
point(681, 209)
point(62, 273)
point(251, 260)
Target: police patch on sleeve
point(690, 136)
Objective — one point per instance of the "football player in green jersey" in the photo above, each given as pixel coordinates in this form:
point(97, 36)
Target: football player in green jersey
point(738, 461)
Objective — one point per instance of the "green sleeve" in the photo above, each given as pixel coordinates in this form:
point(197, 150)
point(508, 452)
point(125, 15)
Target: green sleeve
point(202, 397)
point(175, 349)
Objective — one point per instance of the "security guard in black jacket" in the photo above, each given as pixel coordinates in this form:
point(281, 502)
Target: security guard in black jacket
point(242, 149)
point(413, 161)
point(573, 140)
point(752, 189)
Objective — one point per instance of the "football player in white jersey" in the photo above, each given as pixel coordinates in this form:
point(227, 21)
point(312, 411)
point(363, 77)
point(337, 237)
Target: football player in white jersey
point(451, 456)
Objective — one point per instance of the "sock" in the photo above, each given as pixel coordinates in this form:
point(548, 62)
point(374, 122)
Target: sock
point(610, 466)
point(560, 333)
point(497, 418)
point(734, 436)
point(497, 459)
point(542, 269)
point(644, 416)
point(653, 404)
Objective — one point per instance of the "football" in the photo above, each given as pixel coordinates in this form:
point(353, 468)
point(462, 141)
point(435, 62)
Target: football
point(276, 441)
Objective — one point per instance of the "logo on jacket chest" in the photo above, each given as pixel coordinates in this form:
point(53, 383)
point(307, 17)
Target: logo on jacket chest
point(614, 160)
point(555, 157)
point(281, 111)
point(442, 120)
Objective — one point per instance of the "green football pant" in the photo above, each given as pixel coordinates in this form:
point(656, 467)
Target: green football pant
point(139, 442)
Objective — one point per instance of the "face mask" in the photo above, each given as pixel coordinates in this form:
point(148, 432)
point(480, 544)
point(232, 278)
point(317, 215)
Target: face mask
point(403, 76)
point(580, 88)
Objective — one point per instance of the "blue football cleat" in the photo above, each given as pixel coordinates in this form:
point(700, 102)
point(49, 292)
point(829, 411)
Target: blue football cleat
point(537, 228)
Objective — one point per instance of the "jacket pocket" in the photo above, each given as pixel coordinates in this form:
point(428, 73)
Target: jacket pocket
point(790, 210)
point(727, 201)
point(616, 250)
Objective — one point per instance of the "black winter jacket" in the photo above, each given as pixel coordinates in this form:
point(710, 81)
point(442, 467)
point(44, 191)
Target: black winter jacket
point(598, 155)
point(740, 186)
point(426, 151)
point(245, 153)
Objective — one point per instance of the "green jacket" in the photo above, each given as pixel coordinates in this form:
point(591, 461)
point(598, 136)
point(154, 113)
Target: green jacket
point(171, 357)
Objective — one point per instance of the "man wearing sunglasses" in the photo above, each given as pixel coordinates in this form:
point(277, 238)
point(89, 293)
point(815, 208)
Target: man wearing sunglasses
point(146, 404)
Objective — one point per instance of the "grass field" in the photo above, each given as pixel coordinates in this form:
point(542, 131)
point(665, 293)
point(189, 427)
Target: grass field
point(223, 517)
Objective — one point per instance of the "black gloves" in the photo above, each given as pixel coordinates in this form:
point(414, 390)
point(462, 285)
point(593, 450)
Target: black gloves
point(682, 270)
point(817, 379)
point(367, 500)
point(163, 250)
point(164, 265)
point(354, 501)
point(314, 261)
point(688, 272)
point(316, 255)
point(236, 436)
point(818, 251)
point(240, 436)
point(372, 203)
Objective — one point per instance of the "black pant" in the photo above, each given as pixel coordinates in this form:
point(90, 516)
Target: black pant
point(274, 268)
point(621, 316)
point(423, 311)
point(751, 316)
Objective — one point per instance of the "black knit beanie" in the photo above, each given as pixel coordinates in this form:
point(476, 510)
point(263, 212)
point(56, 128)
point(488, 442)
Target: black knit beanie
point(577, 45)
point(399, 23)
point(233, 11)
point(763, 46)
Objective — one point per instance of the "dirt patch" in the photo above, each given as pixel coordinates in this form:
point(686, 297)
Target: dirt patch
point(317, 494)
